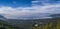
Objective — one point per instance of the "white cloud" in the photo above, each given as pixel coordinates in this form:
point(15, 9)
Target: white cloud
point(45, 2)
point(21, 12)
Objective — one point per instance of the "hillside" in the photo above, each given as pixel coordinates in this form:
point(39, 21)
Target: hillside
point(47, 23)
point(29, 24)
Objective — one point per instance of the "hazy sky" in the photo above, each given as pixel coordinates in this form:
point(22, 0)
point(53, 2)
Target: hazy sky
point(26, 9)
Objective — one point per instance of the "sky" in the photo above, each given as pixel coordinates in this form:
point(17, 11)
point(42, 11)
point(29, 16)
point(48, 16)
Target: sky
point(29, 9)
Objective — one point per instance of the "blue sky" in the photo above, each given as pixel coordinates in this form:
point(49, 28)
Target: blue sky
point(29, 9)
point(16, 3)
